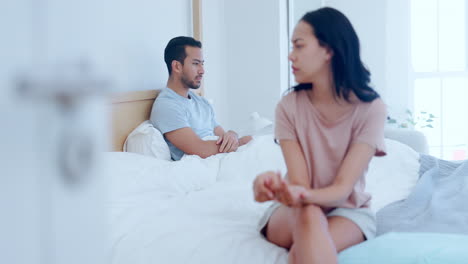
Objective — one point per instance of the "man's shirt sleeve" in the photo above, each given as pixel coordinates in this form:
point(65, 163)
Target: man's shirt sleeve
point(168, 116)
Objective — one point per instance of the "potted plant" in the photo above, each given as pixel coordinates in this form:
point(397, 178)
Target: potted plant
point(406, 132)
point(421, 120)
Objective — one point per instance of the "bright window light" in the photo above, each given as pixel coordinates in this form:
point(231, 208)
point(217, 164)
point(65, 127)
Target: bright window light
point(440, 74)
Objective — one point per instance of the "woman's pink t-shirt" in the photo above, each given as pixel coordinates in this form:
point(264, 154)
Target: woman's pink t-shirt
point(325, 143)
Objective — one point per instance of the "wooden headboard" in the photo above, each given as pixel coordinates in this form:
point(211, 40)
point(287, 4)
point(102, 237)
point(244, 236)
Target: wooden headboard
point(129, 109)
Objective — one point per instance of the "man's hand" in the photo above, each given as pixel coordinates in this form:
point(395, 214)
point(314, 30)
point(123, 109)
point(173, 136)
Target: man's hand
point(229, 142)
point(244, 140)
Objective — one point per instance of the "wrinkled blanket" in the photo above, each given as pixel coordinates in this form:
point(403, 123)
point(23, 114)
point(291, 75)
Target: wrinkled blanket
point(438, 202)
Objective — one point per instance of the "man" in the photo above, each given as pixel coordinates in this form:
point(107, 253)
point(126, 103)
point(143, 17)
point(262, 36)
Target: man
point(183, 117)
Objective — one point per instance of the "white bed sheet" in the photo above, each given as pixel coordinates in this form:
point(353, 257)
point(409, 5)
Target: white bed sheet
point(216, 225)
point(202, 211)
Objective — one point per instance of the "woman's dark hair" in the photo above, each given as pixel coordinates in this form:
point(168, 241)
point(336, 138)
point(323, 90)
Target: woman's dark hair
point(334, 31)
point(175, 50)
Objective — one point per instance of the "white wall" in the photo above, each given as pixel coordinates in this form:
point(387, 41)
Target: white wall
point(250, 60)
point(122, 39)
point(369, 20)
point(215, 52)
point(245, 45)
point(300, 7)
point(251, 40)
point(383, 30)
point(398, 94)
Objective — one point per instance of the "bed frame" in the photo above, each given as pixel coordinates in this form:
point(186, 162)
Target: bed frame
point(128, 111)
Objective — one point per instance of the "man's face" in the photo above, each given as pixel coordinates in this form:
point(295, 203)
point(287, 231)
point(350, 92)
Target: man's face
point(193, 68)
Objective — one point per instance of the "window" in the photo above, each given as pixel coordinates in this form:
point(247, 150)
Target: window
point(439, 73)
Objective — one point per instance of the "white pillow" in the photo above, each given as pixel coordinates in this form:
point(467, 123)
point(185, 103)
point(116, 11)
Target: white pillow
point(147, 140)
point(392, 177)
point(260, 125)
point(413, 138)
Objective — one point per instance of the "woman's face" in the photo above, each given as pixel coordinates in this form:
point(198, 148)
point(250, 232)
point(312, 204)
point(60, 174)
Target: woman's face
point(308, 58)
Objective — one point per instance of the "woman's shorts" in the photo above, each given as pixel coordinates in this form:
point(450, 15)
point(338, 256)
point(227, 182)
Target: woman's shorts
point(364, 218)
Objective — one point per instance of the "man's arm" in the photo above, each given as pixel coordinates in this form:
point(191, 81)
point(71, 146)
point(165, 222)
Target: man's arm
point(187, 141)
point(227, 141)
point(219, 131)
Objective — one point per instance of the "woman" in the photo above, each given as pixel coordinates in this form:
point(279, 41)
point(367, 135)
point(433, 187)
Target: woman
point(328, 128)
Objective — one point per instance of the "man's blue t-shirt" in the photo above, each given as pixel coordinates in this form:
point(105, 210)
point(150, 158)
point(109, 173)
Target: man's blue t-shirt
point(172, 111)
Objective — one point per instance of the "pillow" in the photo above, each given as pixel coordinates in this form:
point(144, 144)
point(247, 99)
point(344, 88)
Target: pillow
point(402, 248)
point(413, 138)
point(392, 177)
point(147, 140)
point(260, 125)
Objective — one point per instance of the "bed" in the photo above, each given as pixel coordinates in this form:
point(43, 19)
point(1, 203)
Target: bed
point(202, 210)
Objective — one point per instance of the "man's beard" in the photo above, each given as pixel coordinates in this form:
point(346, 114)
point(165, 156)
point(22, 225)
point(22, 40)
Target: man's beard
point(190, 84)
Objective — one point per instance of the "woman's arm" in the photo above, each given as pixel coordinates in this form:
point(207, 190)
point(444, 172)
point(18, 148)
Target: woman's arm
point(295, 163)
point(275, 187)
point(353, 166)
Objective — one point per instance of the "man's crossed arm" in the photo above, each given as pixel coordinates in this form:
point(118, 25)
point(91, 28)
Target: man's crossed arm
point(186, 140)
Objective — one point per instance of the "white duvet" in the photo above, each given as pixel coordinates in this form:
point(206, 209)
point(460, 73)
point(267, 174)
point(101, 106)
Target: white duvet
point(202, 210)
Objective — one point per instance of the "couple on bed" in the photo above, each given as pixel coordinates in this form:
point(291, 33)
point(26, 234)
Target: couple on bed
point(329, 127)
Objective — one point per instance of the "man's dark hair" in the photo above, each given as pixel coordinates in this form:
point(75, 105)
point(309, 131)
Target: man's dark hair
point(175, 50)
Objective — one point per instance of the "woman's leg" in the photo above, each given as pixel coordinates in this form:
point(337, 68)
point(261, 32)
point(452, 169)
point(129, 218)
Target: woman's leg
point(312, 242)
point(305, 232)
point(310, 236)
point(279, 228)
point(344, 232)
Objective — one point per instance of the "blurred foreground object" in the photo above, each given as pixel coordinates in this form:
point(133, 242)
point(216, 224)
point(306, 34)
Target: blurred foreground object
point(52, 194)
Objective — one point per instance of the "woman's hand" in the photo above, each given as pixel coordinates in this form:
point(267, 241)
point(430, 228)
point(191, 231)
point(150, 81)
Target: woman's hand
point(290, 195)
point(264, 184)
